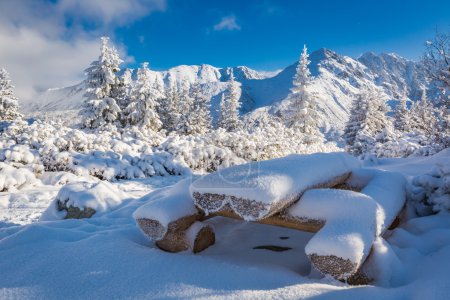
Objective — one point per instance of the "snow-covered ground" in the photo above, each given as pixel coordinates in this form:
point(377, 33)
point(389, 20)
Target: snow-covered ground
point(107, 256)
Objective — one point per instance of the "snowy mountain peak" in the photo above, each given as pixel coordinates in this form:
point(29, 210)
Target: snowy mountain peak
point(337, 81)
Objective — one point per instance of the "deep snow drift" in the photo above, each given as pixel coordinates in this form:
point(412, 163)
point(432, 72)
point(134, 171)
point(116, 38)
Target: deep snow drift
point(108, 257)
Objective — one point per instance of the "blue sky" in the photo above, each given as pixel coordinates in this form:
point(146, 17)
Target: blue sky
point(270, 34)
point(48, 43)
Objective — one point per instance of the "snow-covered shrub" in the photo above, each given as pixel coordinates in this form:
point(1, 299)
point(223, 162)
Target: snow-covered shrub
point(431, 192)
point(12, 178)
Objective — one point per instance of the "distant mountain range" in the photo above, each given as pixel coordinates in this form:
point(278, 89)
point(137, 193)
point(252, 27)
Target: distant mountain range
point(337, 81)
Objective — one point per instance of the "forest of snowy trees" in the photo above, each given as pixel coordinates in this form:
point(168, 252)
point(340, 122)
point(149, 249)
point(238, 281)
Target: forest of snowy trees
point(134, 126)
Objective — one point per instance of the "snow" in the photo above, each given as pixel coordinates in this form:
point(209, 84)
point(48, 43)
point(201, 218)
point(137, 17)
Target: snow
point(12, 178)
point(167, 205)
point(273, 181)
point(99, 196)
point(108, 257)
point(350, 222)
point(388, 189)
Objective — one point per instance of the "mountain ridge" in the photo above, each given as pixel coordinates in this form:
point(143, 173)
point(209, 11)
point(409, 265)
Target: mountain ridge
point(337, 80)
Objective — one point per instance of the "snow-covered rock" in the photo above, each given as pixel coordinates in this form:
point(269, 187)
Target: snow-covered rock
point(83, 200)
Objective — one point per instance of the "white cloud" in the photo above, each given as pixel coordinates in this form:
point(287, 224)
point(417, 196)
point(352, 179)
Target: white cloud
point(40, 50)
point(227, 23)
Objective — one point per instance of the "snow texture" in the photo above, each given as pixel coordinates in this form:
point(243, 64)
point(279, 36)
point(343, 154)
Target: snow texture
point(274, 181)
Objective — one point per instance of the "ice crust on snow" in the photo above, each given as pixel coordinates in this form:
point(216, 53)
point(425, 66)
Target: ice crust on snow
point(167, 205)
point(269, 182)
point(100, 196)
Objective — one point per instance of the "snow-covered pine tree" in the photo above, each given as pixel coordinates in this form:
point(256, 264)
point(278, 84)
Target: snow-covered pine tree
point(122, 90)
point(368, 123)
point(423, 118)
point(100, 107)
point(302, 114)
point(186, 102)
point(9, 105)
point(402, 116)
point(229, 107)
point(200, 113)
point(168, 109)
point(356, 121)
point(141, 110)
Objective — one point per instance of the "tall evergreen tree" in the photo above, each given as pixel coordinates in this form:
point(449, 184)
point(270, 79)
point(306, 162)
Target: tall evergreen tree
point(368, 123)
point(303, 115)
point(143, 104)
point(185, 121)
point(168, 109)
point(100, 107)
point(423, 118)
point(9, 105)
point(402, 116)
point(200, 112)
point(229, 107)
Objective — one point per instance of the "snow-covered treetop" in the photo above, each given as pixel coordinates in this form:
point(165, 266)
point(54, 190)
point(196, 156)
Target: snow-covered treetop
point(9, 106)
point(101, 73)
point(302, 75)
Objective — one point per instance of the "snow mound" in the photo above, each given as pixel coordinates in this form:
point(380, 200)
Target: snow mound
point(12, 178)
point(88, 197)
point(165, 206)
point(269, 184)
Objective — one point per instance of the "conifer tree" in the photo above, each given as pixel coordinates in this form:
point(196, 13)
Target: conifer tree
point(402, 116)
point(368, 123)
point(168, 109)
point(200, 113)
point(100, 107)
point(303, 115)
point(423, 119)
point(229, 107)
point(142, 109)
point(9, 105)
point(185, 121)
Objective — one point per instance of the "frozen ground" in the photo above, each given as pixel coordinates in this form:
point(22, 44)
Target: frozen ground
point(108, 257)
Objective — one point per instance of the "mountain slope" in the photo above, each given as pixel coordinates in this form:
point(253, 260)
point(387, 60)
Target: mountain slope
point(337, 81)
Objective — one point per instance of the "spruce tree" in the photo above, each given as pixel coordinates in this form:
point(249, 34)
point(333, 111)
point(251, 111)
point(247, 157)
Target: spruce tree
point(168, 109)
point(302, 115)
point(9, 105)
point(423, 119)
point(185, 121)
point(368, 123)
point(200, 112)
point(100, 107)
point(229, 107)
point(142, 109)
point(402, 116)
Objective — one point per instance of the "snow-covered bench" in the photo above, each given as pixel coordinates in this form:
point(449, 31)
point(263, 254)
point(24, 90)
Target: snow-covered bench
point(293, 192)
